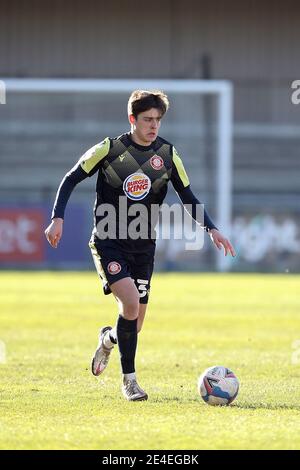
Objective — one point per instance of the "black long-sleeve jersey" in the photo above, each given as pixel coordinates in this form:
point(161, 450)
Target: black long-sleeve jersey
point(133, 174)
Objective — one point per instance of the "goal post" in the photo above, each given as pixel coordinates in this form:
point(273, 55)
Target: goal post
point(221, 89)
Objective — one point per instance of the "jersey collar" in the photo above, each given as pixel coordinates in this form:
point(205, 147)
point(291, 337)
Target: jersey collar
point(138, 146)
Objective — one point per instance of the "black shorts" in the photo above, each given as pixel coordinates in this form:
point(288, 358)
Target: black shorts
point(113, 264)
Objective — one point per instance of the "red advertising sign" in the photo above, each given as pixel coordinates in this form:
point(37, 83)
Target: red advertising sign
point(21, 235)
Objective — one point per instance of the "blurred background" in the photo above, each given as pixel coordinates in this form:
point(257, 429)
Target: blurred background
point(251, 44)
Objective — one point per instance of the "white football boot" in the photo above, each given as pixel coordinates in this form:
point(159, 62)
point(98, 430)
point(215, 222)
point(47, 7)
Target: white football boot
point(102, 353)
point(132, 391)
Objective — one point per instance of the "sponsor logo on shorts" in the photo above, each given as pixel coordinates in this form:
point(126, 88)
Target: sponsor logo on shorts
point(114, 267)
point(156, 162)
point(137, 186)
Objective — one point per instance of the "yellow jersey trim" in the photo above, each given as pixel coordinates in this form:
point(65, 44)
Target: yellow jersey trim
point(180, 168)
point(94, 155)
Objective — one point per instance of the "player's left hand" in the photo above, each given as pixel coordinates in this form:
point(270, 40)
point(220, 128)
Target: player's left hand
point(218, 239)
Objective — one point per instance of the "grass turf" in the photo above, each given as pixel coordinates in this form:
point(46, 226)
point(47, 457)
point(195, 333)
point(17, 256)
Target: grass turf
point(50, 400)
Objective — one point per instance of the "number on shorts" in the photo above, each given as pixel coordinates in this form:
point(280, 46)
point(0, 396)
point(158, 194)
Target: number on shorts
point(142, 287)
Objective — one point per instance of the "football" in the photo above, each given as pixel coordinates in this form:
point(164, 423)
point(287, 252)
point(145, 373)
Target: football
point(218, 386)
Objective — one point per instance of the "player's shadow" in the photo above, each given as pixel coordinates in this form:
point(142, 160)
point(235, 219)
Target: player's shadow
point(265, 406)
point(242, 406)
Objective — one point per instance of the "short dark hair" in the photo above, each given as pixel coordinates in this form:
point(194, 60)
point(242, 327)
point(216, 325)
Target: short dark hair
point(142, 100)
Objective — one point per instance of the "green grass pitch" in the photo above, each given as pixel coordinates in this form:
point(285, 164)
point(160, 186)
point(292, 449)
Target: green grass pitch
point(50, 400)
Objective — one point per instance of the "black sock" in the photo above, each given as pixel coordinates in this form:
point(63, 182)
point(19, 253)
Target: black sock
point(127, 342)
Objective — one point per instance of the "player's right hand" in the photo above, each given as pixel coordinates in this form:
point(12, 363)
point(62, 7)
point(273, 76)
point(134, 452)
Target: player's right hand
point(54, 232)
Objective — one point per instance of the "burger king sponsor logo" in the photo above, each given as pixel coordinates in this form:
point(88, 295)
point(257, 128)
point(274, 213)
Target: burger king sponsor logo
point(114, 267)
point(137, 186)
point(156, 162)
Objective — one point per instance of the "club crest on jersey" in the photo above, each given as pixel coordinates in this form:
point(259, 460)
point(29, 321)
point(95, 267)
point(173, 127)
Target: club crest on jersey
point(156, 162)
point(137, 186)
point(114, 267)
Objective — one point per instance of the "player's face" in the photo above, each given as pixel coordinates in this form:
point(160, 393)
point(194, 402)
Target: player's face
point(146, 126)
